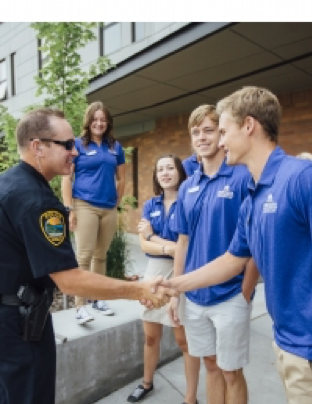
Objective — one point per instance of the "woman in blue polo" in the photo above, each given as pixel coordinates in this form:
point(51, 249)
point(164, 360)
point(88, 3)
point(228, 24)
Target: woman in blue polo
point(93, 197)
point(158, 241)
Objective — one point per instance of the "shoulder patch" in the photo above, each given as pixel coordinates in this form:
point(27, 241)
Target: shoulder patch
point(53, 226)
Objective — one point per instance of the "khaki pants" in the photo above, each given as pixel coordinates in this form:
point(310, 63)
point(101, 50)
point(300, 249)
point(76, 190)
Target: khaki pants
point(296, 374)
point(93, 235)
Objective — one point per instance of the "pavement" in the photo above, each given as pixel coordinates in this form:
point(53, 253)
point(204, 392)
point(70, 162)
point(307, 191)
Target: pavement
point(264, 384)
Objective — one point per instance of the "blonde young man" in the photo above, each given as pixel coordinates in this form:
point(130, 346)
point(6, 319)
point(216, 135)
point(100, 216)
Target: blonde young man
point(207, 210)
point(274, 226)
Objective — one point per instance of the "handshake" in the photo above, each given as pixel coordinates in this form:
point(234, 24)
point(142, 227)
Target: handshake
point(156, 292)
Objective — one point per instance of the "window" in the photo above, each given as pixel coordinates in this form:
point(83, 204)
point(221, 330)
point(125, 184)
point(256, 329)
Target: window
point(13, 74)
point(138, 31)
point(43, 56)
point(3, 80)
point(111, 37)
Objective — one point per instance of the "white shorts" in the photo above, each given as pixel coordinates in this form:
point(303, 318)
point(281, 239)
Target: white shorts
point(222, 330)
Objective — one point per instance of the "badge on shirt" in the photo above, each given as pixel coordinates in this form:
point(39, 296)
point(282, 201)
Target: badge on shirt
point(91, 153)
point(155, 214)
point(112, 151)
point(269, 206)
point(194, 189)
point(53, 227)
point(226, 193)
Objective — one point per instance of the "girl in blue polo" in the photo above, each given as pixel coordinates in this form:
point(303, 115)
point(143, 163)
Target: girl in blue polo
point(92, 198)
point(158, 241)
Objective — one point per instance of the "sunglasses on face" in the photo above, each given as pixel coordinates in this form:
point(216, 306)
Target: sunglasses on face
point(67, 144)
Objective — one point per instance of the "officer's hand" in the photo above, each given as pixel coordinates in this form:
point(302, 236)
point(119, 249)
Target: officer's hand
point(172, 310)
point(72, 220)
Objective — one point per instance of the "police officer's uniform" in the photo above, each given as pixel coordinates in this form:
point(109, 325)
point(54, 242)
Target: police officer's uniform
point(34, 242)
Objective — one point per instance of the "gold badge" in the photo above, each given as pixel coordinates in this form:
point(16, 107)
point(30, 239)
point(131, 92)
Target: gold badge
point(53, 227)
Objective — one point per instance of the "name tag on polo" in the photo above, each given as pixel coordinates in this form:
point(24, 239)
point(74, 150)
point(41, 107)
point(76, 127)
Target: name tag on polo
point(92, 153)
point(194, 189)
point(155, 214)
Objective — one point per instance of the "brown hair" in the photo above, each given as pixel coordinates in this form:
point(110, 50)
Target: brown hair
point(256, 102)
point(178, 165)
point(200, 113)
point(88, 118)
point(36, 124)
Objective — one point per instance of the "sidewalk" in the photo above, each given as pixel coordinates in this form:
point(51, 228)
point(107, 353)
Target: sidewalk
point(263, 380)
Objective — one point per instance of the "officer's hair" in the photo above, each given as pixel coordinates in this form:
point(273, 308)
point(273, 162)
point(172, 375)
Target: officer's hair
point(256, 102)
point(199, 114)
point(178, 165)
point(88, 119)
point(36, 124)
point(304, 156)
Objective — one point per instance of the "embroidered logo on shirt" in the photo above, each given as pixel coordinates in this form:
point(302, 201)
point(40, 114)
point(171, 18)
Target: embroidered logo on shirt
point(53, 226)
point(226, 193)
point(194, 189)
point(172, 216)
point(269, 206)
point(112, 151)
point(156, 213)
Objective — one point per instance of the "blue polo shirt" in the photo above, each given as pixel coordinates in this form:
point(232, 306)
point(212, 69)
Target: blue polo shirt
point(190, 165)
point(275, 227)
point(154, 212)
point(95, 172)
point(207, 211)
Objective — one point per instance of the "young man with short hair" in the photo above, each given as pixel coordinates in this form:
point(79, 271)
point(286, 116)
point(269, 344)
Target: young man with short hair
point(274, 226)
point(205, 218)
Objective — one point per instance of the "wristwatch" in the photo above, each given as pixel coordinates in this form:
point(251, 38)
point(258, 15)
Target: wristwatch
point(69, 208)
point(148, 238)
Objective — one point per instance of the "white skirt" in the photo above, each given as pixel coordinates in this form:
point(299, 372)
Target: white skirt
point(163, 267)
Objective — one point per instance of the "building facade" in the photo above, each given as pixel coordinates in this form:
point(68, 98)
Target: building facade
point(165, 70)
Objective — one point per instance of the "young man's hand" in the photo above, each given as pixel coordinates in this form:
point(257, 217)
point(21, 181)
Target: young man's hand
point(172, 310)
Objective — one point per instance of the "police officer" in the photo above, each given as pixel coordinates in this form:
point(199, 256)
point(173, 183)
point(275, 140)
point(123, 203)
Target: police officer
point(36, 255)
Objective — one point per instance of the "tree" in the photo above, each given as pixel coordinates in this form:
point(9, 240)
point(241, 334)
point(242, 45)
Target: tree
point(62, 77)
point(8, 155)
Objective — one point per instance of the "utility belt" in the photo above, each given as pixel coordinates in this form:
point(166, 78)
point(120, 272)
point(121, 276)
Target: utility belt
point(34, 308)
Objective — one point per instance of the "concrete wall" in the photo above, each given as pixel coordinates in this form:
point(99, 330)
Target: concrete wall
point(93, 366)
point(170, 135)
point(21, 39)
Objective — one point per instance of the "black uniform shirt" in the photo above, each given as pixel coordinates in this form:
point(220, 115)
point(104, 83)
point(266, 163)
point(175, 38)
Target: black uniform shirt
point(34, 234)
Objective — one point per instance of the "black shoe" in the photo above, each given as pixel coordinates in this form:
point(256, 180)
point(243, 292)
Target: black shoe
point(139, 393)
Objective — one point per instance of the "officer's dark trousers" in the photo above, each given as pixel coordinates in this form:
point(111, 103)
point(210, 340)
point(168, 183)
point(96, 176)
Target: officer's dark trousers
point(27, 369)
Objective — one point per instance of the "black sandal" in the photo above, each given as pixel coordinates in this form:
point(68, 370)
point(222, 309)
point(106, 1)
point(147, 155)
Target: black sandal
point(140, 392)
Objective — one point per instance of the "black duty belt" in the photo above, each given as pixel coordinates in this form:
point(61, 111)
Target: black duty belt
point(10, 300)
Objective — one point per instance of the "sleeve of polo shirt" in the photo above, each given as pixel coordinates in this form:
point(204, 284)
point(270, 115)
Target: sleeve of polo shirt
point(179, 222)
point(239, 246)
point(301, 193)
point(46, 238)
point(120, 154)
point(147, 207)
